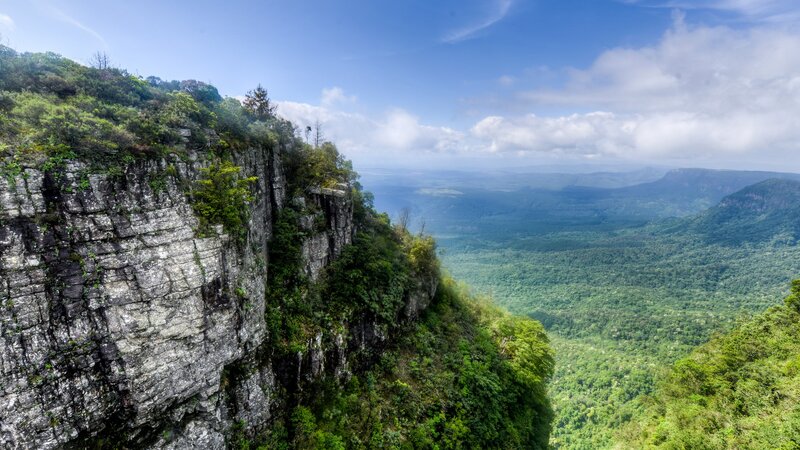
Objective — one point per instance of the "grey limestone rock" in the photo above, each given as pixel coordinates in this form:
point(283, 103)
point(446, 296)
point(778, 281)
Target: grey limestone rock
point(118, 321)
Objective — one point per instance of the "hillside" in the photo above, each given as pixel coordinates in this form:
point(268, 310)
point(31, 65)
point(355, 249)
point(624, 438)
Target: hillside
point(761, 212)
point(740, 390)
point(181, 270)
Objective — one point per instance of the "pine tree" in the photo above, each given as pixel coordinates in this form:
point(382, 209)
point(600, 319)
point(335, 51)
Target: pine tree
point(257, 102)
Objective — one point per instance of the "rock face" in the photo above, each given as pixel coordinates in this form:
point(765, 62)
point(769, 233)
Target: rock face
point(336, 210)
point(118, 321)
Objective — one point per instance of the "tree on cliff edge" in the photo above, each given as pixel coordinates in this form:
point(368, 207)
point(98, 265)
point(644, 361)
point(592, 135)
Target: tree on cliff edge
point(257, 102)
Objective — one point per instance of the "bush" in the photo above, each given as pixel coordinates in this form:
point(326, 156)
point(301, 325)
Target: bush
point(321, 166)
point(221, 196)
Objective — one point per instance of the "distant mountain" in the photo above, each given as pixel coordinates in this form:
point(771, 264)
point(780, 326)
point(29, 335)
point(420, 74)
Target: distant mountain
point(682, 192)
point(708, 181)
point(502, 203)
point(505, 180)
point(761, 212)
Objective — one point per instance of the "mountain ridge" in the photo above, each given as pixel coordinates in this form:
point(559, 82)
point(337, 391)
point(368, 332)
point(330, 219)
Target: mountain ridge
point(756, 213)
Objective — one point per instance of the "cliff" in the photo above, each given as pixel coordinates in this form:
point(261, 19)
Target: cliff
point(179, 270)
point(118, 320)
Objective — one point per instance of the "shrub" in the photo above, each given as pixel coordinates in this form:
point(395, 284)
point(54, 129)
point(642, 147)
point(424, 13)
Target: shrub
point(221, 196)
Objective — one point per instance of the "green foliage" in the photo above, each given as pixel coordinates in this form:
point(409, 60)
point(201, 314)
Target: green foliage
point(524, 341)
point(466, 376)
point(372, 274)
point(289, 309)
point(321, 166)
point(422, 254)
point(41, 123)
point(221, 197)
point(793, 299)
point(740, 390)
point(104, 115)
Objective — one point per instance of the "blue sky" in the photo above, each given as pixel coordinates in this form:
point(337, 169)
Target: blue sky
point(472, 82)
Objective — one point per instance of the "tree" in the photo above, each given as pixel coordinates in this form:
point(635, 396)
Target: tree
point(404, 218)
point(257, 102)
point(308, 132)
point(100, 61)
point(201, 92)
point(319, 137)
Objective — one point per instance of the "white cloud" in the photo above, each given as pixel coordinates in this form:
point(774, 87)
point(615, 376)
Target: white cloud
point(709, 69)
point(396, 134)
point(6, 22)
point(402, 130)
point(726, 96)
point(713, 92)
point(499, 12)
point(334, 95)
point(661, 136)
point(577, 133)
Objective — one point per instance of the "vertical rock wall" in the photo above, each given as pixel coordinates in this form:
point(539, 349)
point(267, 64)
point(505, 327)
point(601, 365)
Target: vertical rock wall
point(118, 321)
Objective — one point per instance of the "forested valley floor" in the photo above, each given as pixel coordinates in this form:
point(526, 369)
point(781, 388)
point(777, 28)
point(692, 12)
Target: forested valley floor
point(626, 280)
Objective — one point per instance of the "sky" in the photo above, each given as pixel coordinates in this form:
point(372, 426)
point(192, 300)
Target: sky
point(473, 83)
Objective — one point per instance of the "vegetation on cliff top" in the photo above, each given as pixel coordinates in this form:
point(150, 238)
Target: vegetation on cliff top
point(53, 109)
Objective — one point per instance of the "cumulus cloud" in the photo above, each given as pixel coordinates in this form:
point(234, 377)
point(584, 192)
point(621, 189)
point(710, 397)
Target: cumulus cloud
point(577, 133)
point(395, 133)
point(712, 91)
point(6, 22)
point(677, 135)
point(402, 130)
point(700, 93)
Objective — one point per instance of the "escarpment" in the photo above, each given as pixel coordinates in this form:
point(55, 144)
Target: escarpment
point(180, 270)
point(122, 322)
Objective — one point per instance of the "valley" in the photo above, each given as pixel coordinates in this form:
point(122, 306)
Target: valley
point(626, 279)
